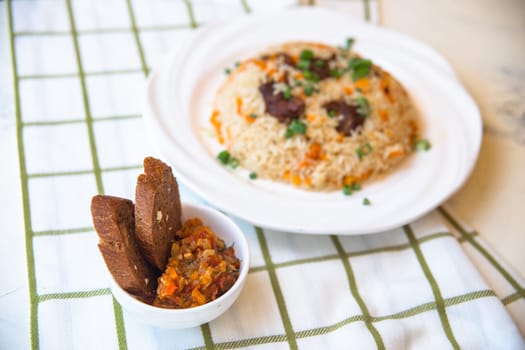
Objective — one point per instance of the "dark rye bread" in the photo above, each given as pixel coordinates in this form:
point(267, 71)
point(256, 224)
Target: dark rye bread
point(157, 211)
point(114, 223)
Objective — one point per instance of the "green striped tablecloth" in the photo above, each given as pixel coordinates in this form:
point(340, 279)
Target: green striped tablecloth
point(72, 78)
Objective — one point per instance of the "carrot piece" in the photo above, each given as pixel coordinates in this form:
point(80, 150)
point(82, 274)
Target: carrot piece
point(238, 103)
point(311, 117)
point(383, 114)
point(396, 153)
point(198, 297)
point(248, 118)
point(271, 72)
point(214, 120)
point(314, 152)
point(363, 84)
point(296, 180)
point(302, 164)
point(194, 276)
point(170, 289)
point(308, 180)
point(348, 90)
point(365, 175)
point(349, 179)
point(385, 86)
point(260, 63)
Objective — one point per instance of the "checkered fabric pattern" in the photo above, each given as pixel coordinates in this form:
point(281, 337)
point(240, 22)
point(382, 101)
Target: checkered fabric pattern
point(78, 72)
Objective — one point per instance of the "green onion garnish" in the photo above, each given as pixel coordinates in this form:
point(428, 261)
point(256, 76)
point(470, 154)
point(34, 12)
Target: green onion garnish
point(355, 62)
point(332, 113)
point(298, 83)
point(227, 71)
point(253, 115)
point(296, 127)
point(364, 150)
point(349, 43)
point(237, 64)
point(287, 93)
point(347, 190)
point(356, 186)
point(360, 67)
point(364, 106)
point(223, 157)
point(335, 73)
point(359, 73)
point(303, 64)
point(366, 201)
point(422, 145)
point(319, 63)
point(252, 175)
point(306, 55)
point(233, 163)
point(308, 90)
point(226, 159)
point(311, 76)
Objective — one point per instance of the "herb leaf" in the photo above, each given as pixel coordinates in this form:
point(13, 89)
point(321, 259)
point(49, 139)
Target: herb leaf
point(360, 67)
point(287, 93)
point(364, 108)
point(223, 157)
point(226, 159)
point(306, 54)
point(349, 43)
point(303, 64)
point(311, 76)
point(308, 90)
point(364, 150)
point(422, 145)
point(296, 127)
point(233, 163)
point(334, 73)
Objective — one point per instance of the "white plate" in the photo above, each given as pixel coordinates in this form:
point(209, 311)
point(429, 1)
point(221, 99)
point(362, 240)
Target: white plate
point(179, 102)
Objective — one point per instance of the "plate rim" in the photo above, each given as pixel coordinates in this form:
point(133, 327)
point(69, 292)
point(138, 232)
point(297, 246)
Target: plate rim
point(156, 78)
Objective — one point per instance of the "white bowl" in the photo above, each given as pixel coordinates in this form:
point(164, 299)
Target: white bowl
point(227, 230)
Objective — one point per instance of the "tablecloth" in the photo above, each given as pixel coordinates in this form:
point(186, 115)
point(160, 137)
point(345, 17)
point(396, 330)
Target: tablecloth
point(72, 81)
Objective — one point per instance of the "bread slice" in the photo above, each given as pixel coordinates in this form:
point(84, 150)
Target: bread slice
point(157, 211)
point(114, 223)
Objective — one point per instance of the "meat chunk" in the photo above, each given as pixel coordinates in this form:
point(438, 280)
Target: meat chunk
point(285, 110)
point(348, 114)
point(321, 67)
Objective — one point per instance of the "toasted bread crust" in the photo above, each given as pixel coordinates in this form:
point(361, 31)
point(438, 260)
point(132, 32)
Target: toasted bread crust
point(157, 211)
point(113, 219)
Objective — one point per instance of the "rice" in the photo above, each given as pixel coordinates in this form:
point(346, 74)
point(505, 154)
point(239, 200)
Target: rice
point(333, 151)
